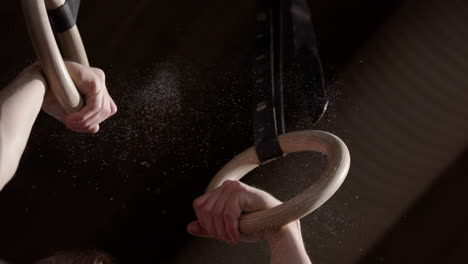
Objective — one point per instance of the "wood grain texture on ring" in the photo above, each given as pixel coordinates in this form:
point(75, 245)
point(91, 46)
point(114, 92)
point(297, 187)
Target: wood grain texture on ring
point(72, 46)
point(308, 200)
point(48, 53)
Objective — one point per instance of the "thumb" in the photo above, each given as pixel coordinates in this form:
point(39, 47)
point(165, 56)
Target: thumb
point(195, 229)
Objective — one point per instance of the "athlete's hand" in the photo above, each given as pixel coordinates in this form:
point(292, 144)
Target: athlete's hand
point(99, 106)
point(218, 212)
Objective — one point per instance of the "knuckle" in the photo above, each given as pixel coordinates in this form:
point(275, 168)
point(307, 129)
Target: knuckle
point(100, 73)
point(114, 109)
point(106, 111)
point(234, 183)
point(197, 203)
point(238, 186)
point(109, 110)
point(229, 184)
point(94, 85)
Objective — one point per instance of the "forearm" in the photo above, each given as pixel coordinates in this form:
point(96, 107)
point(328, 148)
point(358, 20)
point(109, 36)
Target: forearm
point(20, 103)
point(286, 246)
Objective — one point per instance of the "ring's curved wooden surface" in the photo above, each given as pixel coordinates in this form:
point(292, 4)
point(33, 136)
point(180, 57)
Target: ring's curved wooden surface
point(48, 52)
point(307, 201)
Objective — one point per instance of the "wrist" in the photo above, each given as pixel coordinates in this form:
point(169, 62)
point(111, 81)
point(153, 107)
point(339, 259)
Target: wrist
point(291, 231)
point(32, 78)
point(34, 72)
point(286, 245)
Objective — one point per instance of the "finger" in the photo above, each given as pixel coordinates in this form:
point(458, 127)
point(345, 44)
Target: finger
point(113, 106)
point(207, 213)
point(200, 201)
point(75, 127)
point(257, 200)
point(218, 214)
point(107, 97)
point(100, 73)
point(195, 229)
point(231, 216)
point(81, 129)
point(198, 205)
point(93, 106)
point(99, 117)
point(107, 109)
point(94, 129)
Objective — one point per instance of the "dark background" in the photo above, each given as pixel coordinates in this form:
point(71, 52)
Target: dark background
point(179, 73)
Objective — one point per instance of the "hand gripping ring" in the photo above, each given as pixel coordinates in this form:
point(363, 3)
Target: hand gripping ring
point(48, 53)
point(307, 201)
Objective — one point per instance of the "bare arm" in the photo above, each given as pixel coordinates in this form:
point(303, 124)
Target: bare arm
point(20, 103)
point(22, 99)
point(286, 245)
point(219, 210)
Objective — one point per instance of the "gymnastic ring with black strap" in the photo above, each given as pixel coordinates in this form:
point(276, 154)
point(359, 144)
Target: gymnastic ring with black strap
point(309, 199)
point(47, 50)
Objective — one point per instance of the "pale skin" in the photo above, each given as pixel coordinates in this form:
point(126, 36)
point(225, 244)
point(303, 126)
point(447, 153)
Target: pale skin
point(217, 211)
point(23, 98)
point(218, 214)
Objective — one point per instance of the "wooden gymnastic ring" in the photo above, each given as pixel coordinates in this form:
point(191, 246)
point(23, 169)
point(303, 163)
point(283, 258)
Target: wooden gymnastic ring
point(307, 201)
point(48, 53)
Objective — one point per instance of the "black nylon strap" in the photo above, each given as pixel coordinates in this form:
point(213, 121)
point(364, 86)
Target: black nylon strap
point(313, 98)
point(307, 98)
point(64, 17)
point(268, 109)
